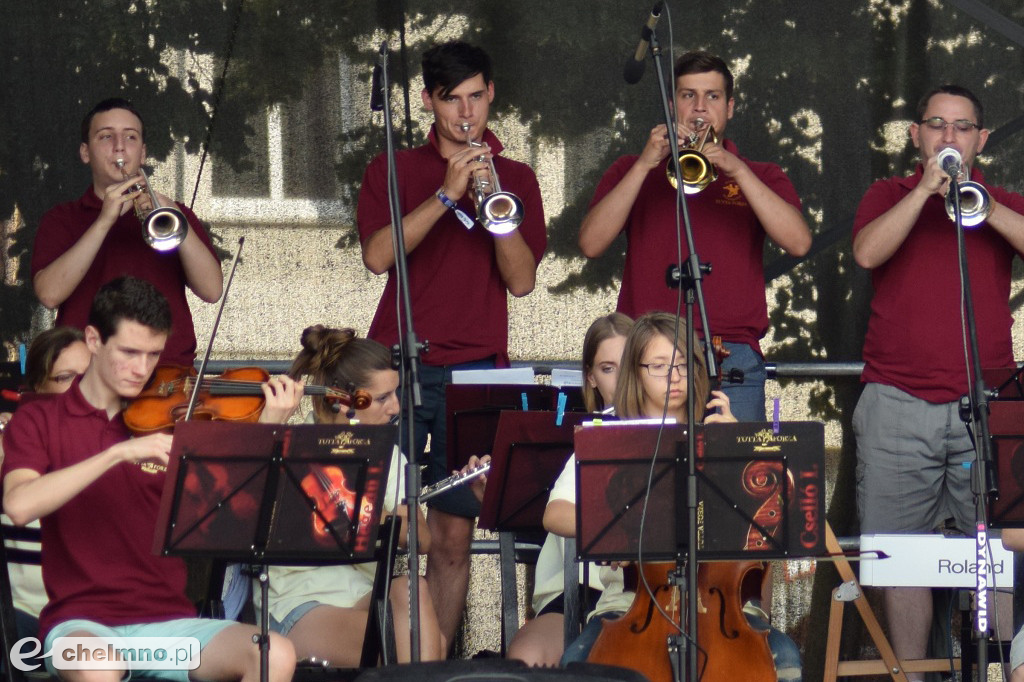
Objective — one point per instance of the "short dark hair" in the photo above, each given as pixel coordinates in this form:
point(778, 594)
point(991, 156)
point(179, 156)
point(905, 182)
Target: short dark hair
point(129, 298)
point(699, 61)
point(107, 105)
point(956, 90)
point(45, 350)
point(448, 64)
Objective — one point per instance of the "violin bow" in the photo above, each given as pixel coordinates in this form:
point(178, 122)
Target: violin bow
point(213, 333)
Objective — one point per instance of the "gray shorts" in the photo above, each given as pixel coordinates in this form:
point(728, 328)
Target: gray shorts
point(910, 463)
point(1017, 650)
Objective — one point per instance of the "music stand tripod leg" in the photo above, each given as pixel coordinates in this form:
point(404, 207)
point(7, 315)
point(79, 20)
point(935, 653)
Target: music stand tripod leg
point(263, 638)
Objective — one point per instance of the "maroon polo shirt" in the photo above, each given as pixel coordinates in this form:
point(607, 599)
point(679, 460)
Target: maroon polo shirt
point(459, 301)
point(726, 234)
point(914, 339)
point(123, 252)
point(97, 559)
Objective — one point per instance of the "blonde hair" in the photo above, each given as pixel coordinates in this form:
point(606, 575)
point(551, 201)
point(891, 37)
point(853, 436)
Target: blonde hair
point(629, 391)
point(601, 329)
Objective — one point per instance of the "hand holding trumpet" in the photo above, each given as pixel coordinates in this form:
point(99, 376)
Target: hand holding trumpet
point(463, 166)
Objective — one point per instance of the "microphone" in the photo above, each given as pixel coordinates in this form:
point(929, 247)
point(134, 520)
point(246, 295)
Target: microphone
point(950, 161)
point(377, 82)
point(634, 70)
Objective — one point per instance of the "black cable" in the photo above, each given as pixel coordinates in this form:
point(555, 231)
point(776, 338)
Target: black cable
point(218, 90)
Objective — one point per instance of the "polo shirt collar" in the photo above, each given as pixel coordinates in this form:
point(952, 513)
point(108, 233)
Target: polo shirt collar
point(77, 405)
point(90, 200)
point(490, 139)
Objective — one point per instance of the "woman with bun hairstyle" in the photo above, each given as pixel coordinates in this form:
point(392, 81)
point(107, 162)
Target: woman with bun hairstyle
point(323, 609)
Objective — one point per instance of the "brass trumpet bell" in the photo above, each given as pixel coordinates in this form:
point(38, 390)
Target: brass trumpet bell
point(698, 172)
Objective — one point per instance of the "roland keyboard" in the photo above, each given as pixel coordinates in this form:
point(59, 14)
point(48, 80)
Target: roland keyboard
point(930, 561)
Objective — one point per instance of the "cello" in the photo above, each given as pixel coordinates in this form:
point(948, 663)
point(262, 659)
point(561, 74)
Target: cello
point(728, 647)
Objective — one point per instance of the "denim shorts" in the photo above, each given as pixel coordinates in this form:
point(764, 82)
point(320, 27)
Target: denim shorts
point(285, 626)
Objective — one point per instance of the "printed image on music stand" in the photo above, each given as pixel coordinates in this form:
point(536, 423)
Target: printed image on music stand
point(758, 491)
point(278, 494)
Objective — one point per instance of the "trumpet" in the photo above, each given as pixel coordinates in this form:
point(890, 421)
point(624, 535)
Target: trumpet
point(163, 227)
point(975, 203)
point(698, 172)
point(499, 212)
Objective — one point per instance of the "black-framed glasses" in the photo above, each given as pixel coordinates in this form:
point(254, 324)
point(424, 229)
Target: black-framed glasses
point(960, 125)
point(662, 369)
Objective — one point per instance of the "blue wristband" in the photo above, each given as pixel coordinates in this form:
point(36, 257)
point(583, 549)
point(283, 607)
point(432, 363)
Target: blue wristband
point(466, 221)
point(443, 198)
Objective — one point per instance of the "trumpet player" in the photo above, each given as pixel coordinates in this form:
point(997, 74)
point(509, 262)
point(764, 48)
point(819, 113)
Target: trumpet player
point(460, 275)
point(911, 442)
point(82, 244)
point(730, 215)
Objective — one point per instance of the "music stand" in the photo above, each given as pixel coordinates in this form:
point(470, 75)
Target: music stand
point(1006, 424)
point(759, 491)
point(473, 410)
point(530, 450)
point(266, 493)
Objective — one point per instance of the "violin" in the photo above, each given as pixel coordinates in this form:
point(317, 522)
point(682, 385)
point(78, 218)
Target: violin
point(235, 395)
point(334, 502)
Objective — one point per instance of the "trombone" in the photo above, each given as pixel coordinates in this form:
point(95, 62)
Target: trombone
point(698, 172)
point(499, 212)
point(164, 228)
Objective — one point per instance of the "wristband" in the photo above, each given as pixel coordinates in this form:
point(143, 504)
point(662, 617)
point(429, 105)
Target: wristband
point(443, 198)
point(466, 221)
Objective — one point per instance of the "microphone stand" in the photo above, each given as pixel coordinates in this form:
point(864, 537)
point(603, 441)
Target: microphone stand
point(983, 483)
point(684, 655)
point(408, 353)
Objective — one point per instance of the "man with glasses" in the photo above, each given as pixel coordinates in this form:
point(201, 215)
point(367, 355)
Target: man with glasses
point(911, 442)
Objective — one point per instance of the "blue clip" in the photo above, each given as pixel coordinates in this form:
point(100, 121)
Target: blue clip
point(22, 356)
point(526, 403)
point(775, 416)
point(560, 412)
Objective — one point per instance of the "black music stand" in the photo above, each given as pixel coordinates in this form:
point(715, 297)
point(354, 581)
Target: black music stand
point(257, 493)
point(530, 449)
point(1006, 424)
point(473, 411)
point(758, 491)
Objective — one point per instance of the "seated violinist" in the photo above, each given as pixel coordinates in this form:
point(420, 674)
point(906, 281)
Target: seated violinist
point(54, 359)
point(323, 609)
point(72, 463)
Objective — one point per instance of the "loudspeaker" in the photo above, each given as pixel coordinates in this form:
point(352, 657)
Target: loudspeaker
point(485, 670)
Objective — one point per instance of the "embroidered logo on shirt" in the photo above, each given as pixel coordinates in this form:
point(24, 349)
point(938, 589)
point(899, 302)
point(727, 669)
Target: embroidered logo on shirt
point(731, 195)
point(152, 468)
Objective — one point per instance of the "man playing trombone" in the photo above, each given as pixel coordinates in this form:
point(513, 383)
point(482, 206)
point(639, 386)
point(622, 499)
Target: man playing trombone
point(462, 266)
point(730, 216)
point(911, 442)
point(82, 244)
